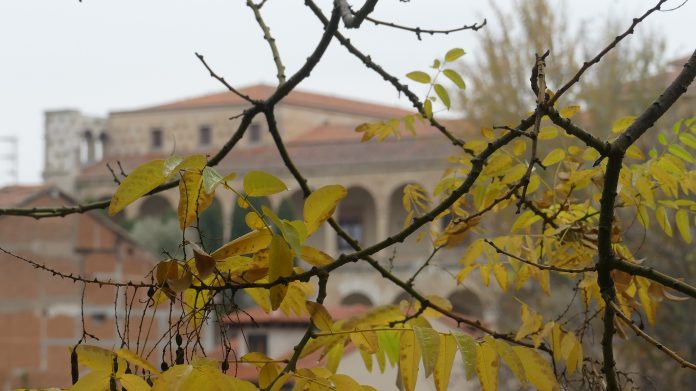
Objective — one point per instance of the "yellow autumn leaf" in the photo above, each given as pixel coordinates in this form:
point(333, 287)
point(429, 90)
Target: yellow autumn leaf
point(193, 199)
point(519, 147)
point(139, 182)
point(548, 133)
point(365, 339)
point(133, 382)
point(553, 157)
point(261, 183)
point(634, 152)
point(95, 380)
point(487, 364)
point(663, 220)
point(345, 383)
point(320, 205)
point(320, 316)
point(279, 265)
point(537, 369)
point(622, 124)
point(409, 360)
point(501, 275)
point(531, 322)
point(682, 220)
point(315, 257)
point(509, 357)
point(569, 111)
point(445, 359)
point(245, 244)
point(135, 360)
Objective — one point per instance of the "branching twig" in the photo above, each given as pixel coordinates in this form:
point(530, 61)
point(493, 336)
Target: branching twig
point(419, 31)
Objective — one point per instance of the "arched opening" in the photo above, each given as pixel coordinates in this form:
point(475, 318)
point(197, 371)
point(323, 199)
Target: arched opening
point(466, 302)
point(100, 146)
point(156, 206)
point(157, 227)
point(210, 226)
point(87, 148)
point(356, 215)
point(417, 245)
point(357, 298)
point(239, 226)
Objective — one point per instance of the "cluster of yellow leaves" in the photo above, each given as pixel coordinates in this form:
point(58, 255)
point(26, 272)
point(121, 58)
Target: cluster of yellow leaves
point(264, 255)
point(414, 345)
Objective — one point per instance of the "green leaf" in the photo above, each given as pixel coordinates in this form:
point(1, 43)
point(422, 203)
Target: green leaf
point(419, 76)
point(467, 349)
point(211, 179)
point(662, 138)
point(454, 54)
point(429, 344)
point(443, 95)
point(428, 108)
point(260, 183)
point(688, 139)
point(455, 77)
point(680, 152)
point(436, 64)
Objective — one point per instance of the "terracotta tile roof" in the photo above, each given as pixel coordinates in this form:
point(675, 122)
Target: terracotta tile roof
point(12, 196)
point(295, 98)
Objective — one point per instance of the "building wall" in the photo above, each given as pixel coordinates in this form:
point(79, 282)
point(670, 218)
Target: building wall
point(66, 150)
point(41, 314)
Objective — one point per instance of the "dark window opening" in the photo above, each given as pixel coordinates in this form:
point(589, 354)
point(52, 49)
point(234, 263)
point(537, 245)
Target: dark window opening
point(258, 343)
point(354, 228)
point(98, 318)
point(254, 133)
point(205, 136)
point(156, 138)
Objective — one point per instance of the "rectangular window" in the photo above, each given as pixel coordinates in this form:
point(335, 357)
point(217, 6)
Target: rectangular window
point(254, 133)
point(258, 343)
point(156, 138)
point(205, 136)
point(354, 228)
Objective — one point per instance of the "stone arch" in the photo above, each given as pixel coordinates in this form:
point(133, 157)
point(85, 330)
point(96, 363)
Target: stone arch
point(401, 297)
point(357, 298)
point(156, 206)
point(466, 302)
point(211, 227)
point(357, 215)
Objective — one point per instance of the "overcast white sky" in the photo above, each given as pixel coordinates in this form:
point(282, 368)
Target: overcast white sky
point(102, 55)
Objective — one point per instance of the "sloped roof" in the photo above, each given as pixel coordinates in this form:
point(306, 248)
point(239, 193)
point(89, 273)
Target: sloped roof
point(295, 98)
point(17, 195)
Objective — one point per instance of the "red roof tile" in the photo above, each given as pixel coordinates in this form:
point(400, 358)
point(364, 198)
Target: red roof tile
point(295, 98)
point(12, 196)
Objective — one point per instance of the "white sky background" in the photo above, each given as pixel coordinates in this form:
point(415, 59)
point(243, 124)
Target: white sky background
point(98, 56)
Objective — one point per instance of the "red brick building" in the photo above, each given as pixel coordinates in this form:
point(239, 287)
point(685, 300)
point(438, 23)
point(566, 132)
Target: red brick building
point(41, 314)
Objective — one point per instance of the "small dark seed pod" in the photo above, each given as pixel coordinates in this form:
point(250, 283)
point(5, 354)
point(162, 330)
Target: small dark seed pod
point(164, 366)
point(74, 370)
point(225, 366)
point(179, 356)
point(179, 340)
